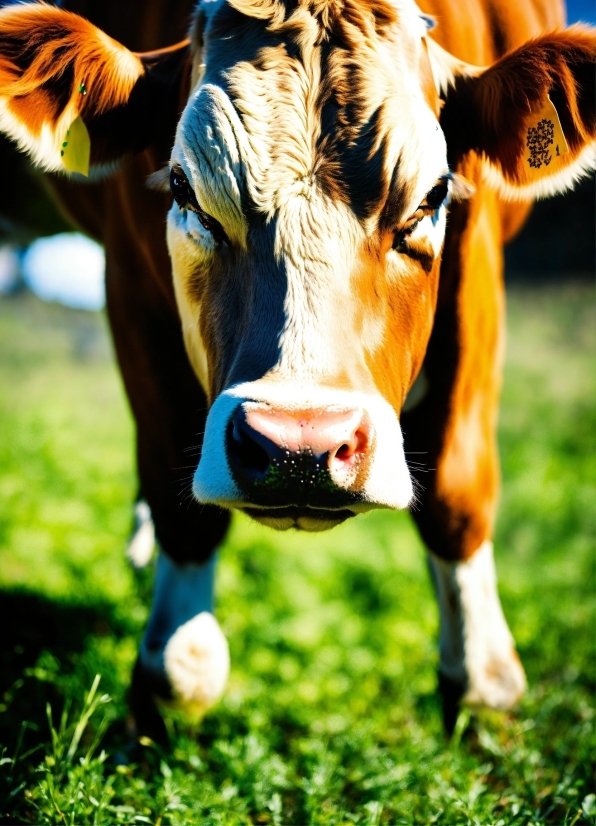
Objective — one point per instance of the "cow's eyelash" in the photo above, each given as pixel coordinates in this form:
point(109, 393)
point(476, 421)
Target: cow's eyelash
point(185, 197)
point(402, 234)
point(434, 199)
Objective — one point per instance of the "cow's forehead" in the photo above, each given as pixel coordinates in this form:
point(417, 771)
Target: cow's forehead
point(285, 106)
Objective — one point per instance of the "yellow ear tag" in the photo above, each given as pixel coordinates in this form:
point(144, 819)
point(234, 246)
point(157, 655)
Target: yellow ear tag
point(545, 141)
point(76, 148)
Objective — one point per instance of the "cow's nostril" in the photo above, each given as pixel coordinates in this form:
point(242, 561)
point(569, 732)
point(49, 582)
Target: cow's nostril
point(356, 445)
point(244, 451)
point(361, 437)
point(344, 452)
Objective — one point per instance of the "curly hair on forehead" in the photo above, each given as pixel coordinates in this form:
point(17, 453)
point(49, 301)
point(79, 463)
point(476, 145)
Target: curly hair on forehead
point(333, 16)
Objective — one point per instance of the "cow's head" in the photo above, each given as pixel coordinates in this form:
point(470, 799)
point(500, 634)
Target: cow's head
point(311, 183)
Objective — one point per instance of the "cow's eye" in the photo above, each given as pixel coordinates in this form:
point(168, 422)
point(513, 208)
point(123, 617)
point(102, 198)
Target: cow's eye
point(434, 199)
point(186, 199)
point(437, 195)
point(182, 190)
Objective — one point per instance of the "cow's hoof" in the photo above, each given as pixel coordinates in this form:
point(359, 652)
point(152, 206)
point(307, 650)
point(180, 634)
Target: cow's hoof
point(197, 664)
point(451, 692)
point(499, 683)
point(145, 687)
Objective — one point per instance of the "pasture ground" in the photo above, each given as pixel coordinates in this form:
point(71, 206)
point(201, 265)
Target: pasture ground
point(331, 716)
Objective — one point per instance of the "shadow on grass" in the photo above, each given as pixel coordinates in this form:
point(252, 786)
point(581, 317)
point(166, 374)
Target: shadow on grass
point(31, 623)
point(41, 639)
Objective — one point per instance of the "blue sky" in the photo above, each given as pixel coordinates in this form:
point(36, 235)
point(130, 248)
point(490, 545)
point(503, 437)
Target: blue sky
point(68, 268)
point(581, 10)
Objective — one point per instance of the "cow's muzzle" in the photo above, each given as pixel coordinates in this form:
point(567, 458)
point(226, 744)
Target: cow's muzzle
point(309, 465)
point(300, 468)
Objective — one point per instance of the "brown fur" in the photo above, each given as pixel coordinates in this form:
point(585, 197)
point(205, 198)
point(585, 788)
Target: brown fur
point(167, 402)
point(45, 53)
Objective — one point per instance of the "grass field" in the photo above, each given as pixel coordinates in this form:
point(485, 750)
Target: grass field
point(331, 715)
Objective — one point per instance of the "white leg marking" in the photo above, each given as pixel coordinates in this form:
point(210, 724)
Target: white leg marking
point(142, 543)
point(476, 646)
point(183, 641)
point(197, 662)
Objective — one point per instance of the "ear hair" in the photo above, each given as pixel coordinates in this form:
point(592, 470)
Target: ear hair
point(58, 72)
point(159, 181)
point(446, 68)
point(461, 188)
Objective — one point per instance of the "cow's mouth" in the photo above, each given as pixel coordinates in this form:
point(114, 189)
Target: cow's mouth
point(302, 518)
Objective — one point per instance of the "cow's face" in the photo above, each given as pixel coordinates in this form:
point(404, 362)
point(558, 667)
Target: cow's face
point(311, 181)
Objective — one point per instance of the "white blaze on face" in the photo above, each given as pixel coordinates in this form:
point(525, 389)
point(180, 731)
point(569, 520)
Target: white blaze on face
point(316, 241)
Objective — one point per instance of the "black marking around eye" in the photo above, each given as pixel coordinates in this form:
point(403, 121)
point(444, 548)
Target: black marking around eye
point(182, 190)
point(422, 253)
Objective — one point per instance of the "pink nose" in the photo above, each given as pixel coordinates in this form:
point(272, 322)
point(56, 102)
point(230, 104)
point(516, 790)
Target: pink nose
point(261, 436)
point(341, 435)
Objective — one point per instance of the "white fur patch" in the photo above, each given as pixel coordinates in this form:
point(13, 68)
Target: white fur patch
point(183, 641)
point(197, 664)
point(142, 544)
point(548, 185)
point(476, 646)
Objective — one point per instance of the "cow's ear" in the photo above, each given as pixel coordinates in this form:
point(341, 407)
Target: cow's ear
point(530, 116)
point(74, 99)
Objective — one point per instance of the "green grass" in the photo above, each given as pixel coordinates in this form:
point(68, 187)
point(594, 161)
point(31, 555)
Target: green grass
point(331, 714)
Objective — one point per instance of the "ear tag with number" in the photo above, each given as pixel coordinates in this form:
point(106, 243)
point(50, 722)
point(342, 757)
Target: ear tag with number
point(76, 148)
point(545, 141)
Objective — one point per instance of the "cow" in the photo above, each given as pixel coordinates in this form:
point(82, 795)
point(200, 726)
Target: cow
point(336, 180)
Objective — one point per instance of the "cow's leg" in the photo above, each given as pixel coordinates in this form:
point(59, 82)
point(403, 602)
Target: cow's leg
point(454, 426)
point(184, 655)
point(183, 646)
point(478, 662)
